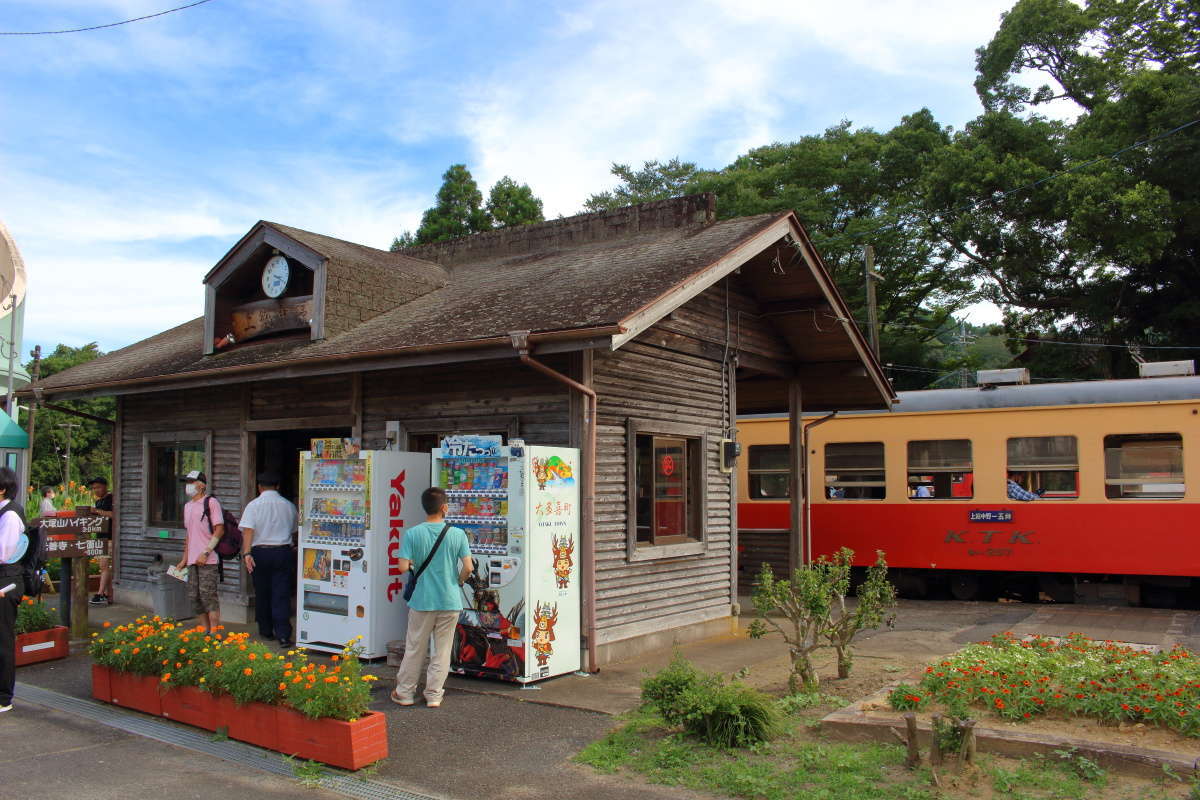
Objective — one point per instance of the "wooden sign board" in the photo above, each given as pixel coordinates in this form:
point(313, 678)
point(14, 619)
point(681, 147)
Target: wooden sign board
point(75, 537)
point(271, 316)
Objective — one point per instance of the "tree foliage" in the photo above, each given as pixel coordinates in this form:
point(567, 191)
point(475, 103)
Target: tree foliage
point(91, 441)
point(510, 203)
point(1089, 230)
point(654, 181)
point(460, 210)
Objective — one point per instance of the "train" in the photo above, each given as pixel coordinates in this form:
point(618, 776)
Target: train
point(1085, 491)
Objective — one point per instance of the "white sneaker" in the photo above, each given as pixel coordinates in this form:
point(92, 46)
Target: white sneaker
point(6, 708)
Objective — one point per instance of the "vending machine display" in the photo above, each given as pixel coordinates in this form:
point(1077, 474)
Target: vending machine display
point(354, 509)
point(520, 509)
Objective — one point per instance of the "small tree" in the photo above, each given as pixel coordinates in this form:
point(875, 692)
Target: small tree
point(813, 603)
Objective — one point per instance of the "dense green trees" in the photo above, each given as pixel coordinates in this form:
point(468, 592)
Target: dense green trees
point(460, 210)
point(91, 441)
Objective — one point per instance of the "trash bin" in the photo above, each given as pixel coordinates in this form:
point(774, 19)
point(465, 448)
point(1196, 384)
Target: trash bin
point(168, 595)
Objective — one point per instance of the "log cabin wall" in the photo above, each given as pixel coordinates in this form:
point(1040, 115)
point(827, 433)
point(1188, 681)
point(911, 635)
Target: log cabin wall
point(218, 412)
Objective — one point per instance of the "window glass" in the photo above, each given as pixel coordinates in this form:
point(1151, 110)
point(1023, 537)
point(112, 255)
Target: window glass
point(1143, 465)
point(1045, 465)
point(665, 488)
point(940, 469)
point(168, 462)
point(768, 471)
point(854, 471)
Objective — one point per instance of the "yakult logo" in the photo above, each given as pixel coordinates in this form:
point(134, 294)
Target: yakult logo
point(395, 528)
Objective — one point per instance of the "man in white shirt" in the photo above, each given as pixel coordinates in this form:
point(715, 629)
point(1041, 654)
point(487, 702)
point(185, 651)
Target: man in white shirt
point(267, 524)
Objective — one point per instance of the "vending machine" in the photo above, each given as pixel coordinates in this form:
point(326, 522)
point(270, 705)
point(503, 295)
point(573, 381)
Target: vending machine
point(354, 508)
point(520, 508)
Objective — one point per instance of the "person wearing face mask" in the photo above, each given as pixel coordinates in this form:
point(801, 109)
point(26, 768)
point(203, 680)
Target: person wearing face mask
point(203, 533)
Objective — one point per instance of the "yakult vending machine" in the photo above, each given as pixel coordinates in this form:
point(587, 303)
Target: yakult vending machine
point(520, 508)
point(354, 508)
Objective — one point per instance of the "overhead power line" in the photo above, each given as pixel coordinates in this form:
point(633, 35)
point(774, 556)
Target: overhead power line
point(108, 25)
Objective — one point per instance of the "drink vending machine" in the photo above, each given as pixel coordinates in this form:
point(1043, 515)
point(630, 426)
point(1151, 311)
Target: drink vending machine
point(520, 508)
point(354, 508)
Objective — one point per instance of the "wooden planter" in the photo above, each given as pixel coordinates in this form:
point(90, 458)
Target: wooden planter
point(191, 706)
point(139, 692)
point(349, 745)
point(44, 645)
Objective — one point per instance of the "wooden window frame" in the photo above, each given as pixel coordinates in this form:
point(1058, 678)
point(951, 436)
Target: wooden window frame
point(152, 529)
point(697, 463)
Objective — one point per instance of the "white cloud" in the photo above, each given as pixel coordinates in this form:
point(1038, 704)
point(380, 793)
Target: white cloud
point(707, 80)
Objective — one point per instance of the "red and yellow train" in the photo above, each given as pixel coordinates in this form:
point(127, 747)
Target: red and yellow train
point(1083, 491)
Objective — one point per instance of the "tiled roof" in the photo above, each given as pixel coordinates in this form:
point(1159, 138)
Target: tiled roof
point(562, 288)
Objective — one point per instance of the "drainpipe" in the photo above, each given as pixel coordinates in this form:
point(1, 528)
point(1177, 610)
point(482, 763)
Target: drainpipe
point(587, 521)
point(807, 512)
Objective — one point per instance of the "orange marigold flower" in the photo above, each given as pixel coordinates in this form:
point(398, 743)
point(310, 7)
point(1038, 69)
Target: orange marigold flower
point(107, 625)
point(217, 663)
point(247, 671)
point(282, 686)
point(331, 679)
point(137, 650)
point(333, 658)
point(166, 677)
point(253, 656)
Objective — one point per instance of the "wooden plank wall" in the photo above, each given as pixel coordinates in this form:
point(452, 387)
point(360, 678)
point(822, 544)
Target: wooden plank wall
point(492, 388)
point(648, 381)
point(218, 411)
point(316, 396)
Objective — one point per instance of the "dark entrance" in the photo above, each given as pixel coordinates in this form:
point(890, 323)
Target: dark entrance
point(279, 451)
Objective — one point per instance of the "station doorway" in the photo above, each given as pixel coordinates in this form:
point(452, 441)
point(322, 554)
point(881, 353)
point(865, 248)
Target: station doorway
point(279, 451)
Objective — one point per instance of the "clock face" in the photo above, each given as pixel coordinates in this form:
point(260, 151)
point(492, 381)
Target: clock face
point(275, 276)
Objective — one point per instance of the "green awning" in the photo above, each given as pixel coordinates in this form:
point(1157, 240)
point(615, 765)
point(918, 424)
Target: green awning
point(12, 436)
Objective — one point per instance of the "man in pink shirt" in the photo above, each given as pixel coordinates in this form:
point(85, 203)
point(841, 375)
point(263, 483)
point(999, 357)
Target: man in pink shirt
point(204, 530)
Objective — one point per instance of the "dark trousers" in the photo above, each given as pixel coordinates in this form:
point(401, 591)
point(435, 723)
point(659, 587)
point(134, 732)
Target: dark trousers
point(8, 632)
point(273, 576)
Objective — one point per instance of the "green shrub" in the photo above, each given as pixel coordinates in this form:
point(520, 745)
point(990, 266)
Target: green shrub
point(665, 690)
point(728, 715)
point(33, 616)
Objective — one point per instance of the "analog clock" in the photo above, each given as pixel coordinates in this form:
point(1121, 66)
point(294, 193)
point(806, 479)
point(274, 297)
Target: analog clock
point(275, 276)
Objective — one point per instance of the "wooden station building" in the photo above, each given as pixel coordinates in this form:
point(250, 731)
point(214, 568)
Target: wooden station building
point(669, 321)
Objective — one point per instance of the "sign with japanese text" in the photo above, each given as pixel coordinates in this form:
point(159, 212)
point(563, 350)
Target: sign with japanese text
point(472, 445)
point(75, 537)
point(990, 515)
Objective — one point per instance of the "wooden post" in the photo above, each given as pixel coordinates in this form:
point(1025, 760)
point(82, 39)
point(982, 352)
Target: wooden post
point(797, 553)
point(968, 743)
point(79, 598)
point(935, 747)
point(914, 750)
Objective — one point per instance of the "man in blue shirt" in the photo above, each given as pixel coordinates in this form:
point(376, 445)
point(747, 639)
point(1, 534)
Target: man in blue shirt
point(436, 600)
point(1018, 492)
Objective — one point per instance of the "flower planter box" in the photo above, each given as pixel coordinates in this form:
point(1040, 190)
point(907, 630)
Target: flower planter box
point(191, 706)
point(102, 683)
point(349, 745)
point(255, 723)
point(139, 692)
point(44, 645)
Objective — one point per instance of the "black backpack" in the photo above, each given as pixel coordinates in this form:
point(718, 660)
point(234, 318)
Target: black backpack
point(34, 559)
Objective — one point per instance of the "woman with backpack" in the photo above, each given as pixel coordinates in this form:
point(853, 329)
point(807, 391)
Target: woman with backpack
point(12, 546)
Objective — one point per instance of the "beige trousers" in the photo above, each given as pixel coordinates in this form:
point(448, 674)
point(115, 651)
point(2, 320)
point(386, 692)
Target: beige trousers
point(422, 625)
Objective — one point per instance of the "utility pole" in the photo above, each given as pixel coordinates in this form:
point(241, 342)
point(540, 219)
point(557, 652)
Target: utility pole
point(37, 374)
point(872, 312)
point(70, 426)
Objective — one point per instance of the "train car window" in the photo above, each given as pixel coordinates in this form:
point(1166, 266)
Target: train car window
point(1147, 466)
point(940, 469)
point(768, 471)
point(1047, 465)
point(854, 471)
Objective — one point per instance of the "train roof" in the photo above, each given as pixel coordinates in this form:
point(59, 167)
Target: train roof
point(1133, 390)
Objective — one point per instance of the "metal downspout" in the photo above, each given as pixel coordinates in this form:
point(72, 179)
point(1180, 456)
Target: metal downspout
point(587, 523)
point(807, 556)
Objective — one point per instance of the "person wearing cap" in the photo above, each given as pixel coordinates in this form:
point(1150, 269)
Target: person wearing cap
point(203, 533)
point(267, 524)
point(103, 506)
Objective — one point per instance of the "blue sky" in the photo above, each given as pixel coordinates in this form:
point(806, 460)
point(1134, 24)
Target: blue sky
point(132, 158)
